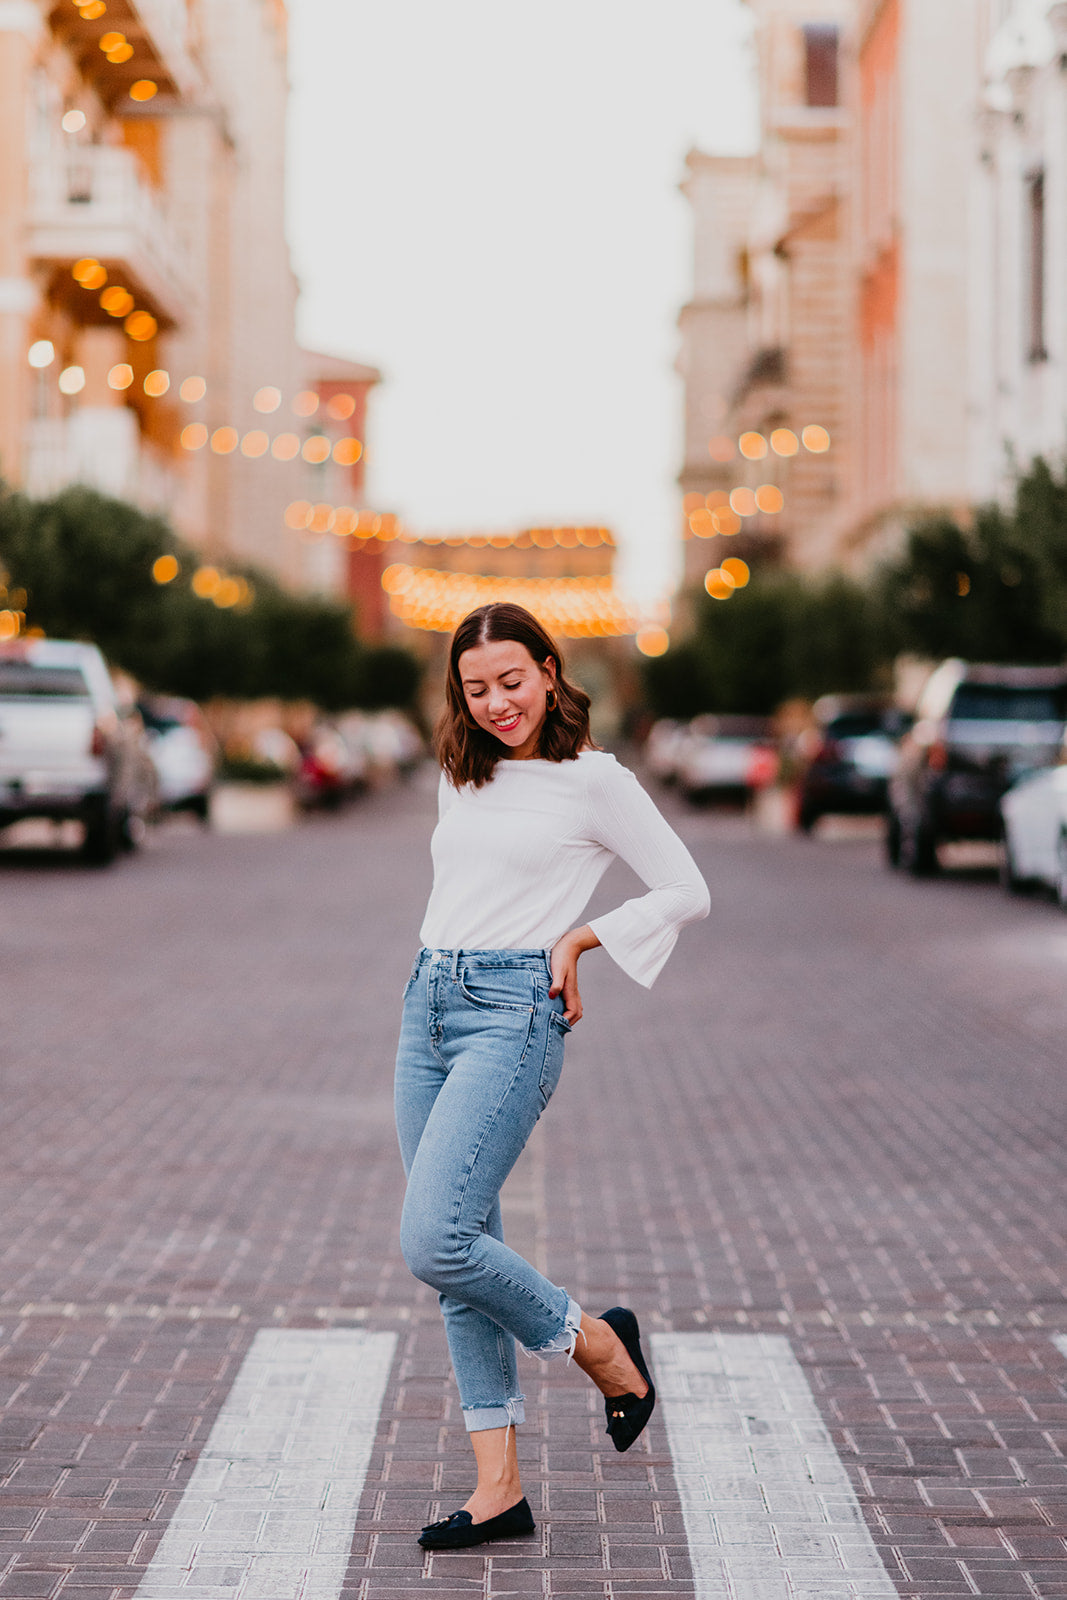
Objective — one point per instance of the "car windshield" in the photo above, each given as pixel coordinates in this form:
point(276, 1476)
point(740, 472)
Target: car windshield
point(983, 702)
point(20, 678)
point(856, 725)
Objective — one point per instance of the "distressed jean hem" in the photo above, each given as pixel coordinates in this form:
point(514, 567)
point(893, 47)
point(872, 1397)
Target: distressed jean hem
point(565, 1340)
point(477, 1418)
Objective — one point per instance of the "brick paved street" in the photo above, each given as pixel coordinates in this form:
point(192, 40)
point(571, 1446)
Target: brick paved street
point(837, 1119)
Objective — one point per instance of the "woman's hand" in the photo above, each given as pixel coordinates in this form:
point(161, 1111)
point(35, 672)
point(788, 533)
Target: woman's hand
point(564, 957)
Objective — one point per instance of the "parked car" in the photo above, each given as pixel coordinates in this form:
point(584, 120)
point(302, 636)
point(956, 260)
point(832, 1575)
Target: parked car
point(70, 748)
point(1034, 817)
point(726, 757)
point(848, 758)
point(977, 729)
point(183, 753)
point(663, 747)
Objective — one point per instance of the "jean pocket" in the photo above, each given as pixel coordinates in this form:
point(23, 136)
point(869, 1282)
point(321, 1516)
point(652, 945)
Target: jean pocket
point(496, 991)
point(558, 1029)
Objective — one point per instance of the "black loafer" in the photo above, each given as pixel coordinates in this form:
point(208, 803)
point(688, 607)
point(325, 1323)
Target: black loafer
point(627, 1414)
point(458, 1532)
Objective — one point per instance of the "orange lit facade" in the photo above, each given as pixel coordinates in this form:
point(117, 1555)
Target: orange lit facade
point(917, 91)
point(764, 342)
point(147, 305)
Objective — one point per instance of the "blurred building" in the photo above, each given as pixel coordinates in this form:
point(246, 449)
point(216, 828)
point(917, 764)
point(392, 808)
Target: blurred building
point(1018, 346)
point(764, 341)
point(147, 342)
point(916, 88)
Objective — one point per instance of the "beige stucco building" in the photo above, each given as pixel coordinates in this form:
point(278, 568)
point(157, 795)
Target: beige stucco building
point(147, 342)
point(1019, 197)
point(764, 340)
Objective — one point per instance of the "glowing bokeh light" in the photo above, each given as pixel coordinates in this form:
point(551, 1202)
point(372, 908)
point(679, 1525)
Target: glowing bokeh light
point(157, 383)
point(316, 449)
point(721, 448)
point(143, 89)
point(41, 353)
point(298, 514)
point(88, 272)
point(736, 570)
point(306, 403)
point(346, 452)
point(206, 581)
point(753, 446)
point(784, 442)
point(141, 325)
point(255, 443)
point(165, 569)
point(72, 380)
point(120, 376)
point(224, 440)
point(285, 447)
point(718, 584)
point(117, 301)
point(769, 498)
point(703, 523)
point(815, 439)
point(728, 520)
point(743, 502)
point(653, 641)
point(267, 399)
point(73, 121)
point(691, 503)
point(192, 390)
point(340, 407)
point(194, 436)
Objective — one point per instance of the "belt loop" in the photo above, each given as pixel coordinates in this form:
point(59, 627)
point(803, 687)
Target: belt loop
point(455, 966)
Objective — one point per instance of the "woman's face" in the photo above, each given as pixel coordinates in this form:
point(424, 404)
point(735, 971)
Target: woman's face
point(505, 690)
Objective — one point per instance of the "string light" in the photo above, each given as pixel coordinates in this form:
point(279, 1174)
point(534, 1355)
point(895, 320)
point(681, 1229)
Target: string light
point(576, 608)
point(369, 524)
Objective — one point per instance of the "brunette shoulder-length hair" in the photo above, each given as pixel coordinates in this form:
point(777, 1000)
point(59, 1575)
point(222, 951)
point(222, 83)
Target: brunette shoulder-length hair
point(466, 752)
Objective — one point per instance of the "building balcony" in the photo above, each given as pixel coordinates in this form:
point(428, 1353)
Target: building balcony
point(94, 202)
point(101, 448)
point(162, 49)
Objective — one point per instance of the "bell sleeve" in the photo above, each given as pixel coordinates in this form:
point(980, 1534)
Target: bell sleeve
point(640, 934)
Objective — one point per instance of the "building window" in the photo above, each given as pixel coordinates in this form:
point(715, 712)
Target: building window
point(821, 41)
point(1035, 199)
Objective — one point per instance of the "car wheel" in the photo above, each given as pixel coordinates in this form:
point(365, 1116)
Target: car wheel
point(1007, 870)
point(918, 849)
point(807, 817)
point(133, 830)
point(101, 843)
point(892, 839)
point(1061, 869)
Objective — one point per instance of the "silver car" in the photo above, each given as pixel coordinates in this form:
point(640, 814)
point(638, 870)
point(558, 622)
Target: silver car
point(69, 748)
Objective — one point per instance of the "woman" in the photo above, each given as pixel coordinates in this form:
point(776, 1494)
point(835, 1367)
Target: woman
point(531, 813)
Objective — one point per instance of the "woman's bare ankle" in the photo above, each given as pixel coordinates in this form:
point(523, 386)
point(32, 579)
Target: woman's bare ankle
point(603, 1357)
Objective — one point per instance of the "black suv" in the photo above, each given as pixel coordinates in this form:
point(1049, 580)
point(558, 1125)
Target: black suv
point(977, 729)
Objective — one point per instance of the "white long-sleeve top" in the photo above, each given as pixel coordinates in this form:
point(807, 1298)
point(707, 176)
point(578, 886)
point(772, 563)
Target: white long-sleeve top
point(516, 861)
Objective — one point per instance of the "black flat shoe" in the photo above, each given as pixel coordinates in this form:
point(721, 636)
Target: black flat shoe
point(458, 1532)
point(627, 1414)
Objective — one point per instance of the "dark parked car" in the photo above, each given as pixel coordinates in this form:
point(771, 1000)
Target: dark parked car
point(977, 729)
point(850, 755)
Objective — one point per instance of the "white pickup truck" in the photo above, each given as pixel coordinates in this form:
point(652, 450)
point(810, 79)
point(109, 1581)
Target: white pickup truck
point(68, 748)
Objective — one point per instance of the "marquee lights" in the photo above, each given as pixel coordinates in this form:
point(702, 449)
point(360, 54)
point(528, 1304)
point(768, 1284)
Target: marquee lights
point(783, 441)
point(345, 521)
point(576, 608)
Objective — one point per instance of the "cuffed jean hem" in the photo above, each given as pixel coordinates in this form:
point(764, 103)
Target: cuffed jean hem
point(565, 1340)
point(477, 1418)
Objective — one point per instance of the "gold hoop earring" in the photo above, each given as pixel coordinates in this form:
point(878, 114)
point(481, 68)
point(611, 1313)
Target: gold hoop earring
point(550, 700)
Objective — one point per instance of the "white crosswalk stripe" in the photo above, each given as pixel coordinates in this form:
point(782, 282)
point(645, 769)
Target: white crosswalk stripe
point(769, 1510)
point(269, 1511)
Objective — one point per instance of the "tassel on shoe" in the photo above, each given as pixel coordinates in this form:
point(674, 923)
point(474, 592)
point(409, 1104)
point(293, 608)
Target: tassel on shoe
point(459, 1532)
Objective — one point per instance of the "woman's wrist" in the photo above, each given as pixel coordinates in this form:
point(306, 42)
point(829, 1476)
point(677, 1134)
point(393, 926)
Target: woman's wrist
point(581, 939)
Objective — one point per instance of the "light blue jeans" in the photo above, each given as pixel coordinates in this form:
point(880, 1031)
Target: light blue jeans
point(481, 1050)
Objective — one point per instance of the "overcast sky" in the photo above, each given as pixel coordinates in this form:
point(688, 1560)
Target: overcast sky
point(484, 204)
